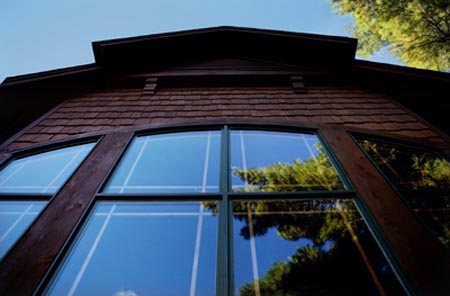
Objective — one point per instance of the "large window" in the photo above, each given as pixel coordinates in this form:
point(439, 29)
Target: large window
point(26, 185)
point(420, 176)
point(230, 211)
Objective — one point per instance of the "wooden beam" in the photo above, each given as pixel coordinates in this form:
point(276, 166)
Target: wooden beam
point(424, 261)
point(25, 266)
point(4, 157)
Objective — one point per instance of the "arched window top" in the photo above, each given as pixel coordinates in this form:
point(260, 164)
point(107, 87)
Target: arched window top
point(272, 161)
point(253, 160)
point(44, 172)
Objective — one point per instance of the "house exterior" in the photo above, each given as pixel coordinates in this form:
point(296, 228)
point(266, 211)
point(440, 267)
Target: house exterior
point(202, 112)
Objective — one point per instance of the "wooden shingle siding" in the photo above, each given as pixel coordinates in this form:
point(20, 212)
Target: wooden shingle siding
point(346, 106)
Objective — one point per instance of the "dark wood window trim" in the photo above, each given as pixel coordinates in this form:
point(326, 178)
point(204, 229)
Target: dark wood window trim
point(403, 192)
point(426, 263)
point(4, 157)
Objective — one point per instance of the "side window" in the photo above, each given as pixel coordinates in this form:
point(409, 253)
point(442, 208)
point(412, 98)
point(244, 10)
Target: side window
point(420, 176)
point(44, 172)
point(26, 185)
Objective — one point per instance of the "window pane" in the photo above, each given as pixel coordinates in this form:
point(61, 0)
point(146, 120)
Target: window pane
point(15, 218)
point(319, 247)
point(276, 161)
point(143, 248)
point(171, 163)
point(44, 172)
point(408, 167)
point(434, 212)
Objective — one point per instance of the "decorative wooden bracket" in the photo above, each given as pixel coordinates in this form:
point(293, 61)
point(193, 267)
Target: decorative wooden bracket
point(298, 85)
point(150, 86)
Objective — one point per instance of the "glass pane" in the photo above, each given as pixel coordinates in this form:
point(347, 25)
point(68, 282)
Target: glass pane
point(143, 248)
point(170, 163)
point(434, 212)
point(15, 218)
point(44, 172)
point(319, 247)
point(276, 161)
point(408, 167)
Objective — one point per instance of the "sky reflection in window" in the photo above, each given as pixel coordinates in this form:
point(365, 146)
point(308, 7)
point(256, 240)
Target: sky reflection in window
point(169, 163)
point(279, 162)
point(316, 247)
point(15, 218)
point(44, 172)
point(143, 248)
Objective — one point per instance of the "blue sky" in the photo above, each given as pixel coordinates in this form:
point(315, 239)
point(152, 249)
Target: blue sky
point(40, 35)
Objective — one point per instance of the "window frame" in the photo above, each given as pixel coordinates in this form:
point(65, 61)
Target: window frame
point(225, 197)
point(402, 193)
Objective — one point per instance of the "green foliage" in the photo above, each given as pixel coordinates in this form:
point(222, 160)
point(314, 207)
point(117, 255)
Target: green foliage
point(411, 169)
point(432, 172)
point(316, 173)
point(317, 267)
point(414, 169)
point(415, 31)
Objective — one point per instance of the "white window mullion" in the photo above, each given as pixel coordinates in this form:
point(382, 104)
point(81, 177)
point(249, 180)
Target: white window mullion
point(133, 167)
point(11, 228)
point(91, 252)
point(63, 170)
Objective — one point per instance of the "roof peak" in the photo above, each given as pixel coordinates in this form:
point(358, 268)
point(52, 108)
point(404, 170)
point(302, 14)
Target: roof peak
point(219, 29)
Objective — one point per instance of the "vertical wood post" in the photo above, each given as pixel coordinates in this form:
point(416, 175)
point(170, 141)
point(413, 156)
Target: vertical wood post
point(424, 261)
point(24, 267)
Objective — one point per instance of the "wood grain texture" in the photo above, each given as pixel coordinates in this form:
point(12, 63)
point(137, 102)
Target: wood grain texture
point(23, 268)
point(422, 258)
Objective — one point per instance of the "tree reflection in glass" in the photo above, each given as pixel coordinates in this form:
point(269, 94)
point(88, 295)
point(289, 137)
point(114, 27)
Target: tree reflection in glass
point(407, 167)
point(307, 248)
point(280, 162)
point(434, 211)
point(423, 178)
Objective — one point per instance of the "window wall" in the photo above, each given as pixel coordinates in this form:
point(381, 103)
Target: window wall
point(228, 211)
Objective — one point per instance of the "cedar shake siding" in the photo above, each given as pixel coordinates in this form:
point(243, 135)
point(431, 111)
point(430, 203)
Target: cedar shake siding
point(339, 105)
